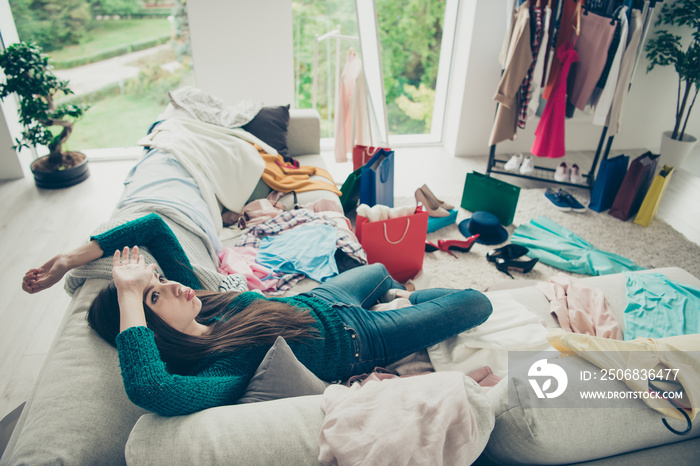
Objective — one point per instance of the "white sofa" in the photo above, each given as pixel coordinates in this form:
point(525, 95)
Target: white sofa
point(78, 412)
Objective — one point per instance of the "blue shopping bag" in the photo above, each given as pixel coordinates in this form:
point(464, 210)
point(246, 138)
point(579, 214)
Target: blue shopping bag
point(377, 179)
point(607, 182)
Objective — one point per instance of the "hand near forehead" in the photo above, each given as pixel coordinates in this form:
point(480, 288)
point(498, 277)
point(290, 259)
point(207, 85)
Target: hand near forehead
point(130, 271)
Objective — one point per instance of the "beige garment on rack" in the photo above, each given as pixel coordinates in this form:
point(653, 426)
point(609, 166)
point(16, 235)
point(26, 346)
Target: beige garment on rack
point(636, 27)
point(518, 62)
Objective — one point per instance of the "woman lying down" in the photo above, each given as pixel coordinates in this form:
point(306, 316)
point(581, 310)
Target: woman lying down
point(183, 349)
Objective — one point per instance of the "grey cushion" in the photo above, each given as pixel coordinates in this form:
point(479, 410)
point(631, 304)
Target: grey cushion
point(526, 435)
point(281, 375)
point(304, 132)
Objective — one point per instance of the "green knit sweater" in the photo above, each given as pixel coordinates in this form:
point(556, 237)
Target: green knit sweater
point(152, 232)
point(222, 381)
point(150, 386)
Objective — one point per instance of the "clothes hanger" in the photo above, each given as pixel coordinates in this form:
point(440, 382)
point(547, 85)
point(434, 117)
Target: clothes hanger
point(689, 423)
point(577, 18)
point(616, 13)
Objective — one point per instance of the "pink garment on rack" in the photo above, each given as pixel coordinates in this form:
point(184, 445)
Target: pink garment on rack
point(580, 308)
point(241, 260)
point(550, 133)
point(352, 112)
point(592, 47)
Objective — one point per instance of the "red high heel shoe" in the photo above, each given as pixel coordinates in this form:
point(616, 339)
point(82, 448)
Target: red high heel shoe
point(448, 245)
point(430, 247)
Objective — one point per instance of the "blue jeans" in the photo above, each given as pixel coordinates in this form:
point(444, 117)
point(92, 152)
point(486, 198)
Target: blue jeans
point(382, 338)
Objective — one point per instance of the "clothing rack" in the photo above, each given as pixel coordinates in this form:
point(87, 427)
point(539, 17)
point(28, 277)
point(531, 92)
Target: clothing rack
point(541, 173)
point(334, 34)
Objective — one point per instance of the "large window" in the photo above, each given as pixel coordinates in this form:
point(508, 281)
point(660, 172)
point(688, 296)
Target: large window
point(120, 57)
point(414, 43)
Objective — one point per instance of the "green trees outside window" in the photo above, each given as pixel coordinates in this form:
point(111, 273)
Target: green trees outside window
point(77, 32)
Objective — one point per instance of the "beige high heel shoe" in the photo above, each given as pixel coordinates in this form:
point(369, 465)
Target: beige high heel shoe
point(429, 194)
point(434, 210)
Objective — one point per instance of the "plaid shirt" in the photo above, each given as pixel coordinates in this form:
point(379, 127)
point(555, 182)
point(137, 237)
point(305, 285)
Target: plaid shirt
point(525, 91)
point(293, 218)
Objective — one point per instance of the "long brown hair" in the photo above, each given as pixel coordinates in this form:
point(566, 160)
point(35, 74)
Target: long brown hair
point(259, 323)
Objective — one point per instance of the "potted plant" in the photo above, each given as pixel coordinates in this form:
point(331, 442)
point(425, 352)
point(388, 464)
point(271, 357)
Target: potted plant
point(28, 74)
point(666, 49)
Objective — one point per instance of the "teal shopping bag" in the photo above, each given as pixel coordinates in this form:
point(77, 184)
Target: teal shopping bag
point(484, 193)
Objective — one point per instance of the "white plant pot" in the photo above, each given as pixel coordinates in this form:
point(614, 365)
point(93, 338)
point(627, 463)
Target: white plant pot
point(673, 152)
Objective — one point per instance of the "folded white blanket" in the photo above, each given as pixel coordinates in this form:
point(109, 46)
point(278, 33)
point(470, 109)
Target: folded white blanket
point(221, 160)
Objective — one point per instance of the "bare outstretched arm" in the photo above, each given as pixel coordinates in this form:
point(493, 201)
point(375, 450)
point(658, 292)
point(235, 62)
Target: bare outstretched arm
point(54, 269)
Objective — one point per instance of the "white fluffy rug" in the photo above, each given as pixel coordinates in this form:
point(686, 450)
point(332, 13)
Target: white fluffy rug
point(655, 246)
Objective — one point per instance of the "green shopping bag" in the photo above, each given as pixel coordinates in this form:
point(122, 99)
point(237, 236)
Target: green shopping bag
point(350, 191)
point(484, 193)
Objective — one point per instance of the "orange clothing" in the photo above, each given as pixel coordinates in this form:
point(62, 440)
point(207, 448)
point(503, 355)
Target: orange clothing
point(283, 176)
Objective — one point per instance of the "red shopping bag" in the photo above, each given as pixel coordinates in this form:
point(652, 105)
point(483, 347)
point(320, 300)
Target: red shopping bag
point(361, 155)
point(398, 243)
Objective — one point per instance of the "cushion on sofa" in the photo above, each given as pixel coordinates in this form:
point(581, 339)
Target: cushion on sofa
point(527, 435)
point(279, 432)
point(281, 375)
point(270, 125)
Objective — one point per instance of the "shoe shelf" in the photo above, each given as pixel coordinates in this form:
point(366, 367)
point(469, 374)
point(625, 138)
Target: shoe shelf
point(539, 173)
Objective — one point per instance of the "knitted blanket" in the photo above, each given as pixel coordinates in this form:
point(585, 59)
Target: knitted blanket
point(193, 240)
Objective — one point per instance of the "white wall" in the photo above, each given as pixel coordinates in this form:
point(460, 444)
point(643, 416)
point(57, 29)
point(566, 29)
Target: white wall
point(10, 167)
point(243, 49)
point(648, 110)
point(470, 106)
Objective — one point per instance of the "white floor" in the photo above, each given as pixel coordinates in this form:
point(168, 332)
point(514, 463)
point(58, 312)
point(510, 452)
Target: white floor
point(35, 225)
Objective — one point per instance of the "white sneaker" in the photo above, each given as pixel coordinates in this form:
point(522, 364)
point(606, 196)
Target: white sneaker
point(513, 164)
point(576, 176)
point(528, 166)
point(562, 173)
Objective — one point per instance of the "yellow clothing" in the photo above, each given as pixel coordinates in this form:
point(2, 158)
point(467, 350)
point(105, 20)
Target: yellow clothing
point(282, 176)
point(644, 355)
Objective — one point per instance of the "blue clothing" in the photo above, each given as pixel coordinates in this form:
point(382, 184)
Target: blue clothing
point(558, 247)
point(307, 249)
point(381, 338)
point(159, 178)
point(658, 307)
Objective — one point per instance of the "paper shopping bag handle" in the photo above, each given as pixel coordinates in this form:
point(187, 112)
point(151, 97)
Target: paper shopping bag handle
point(386, 235)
